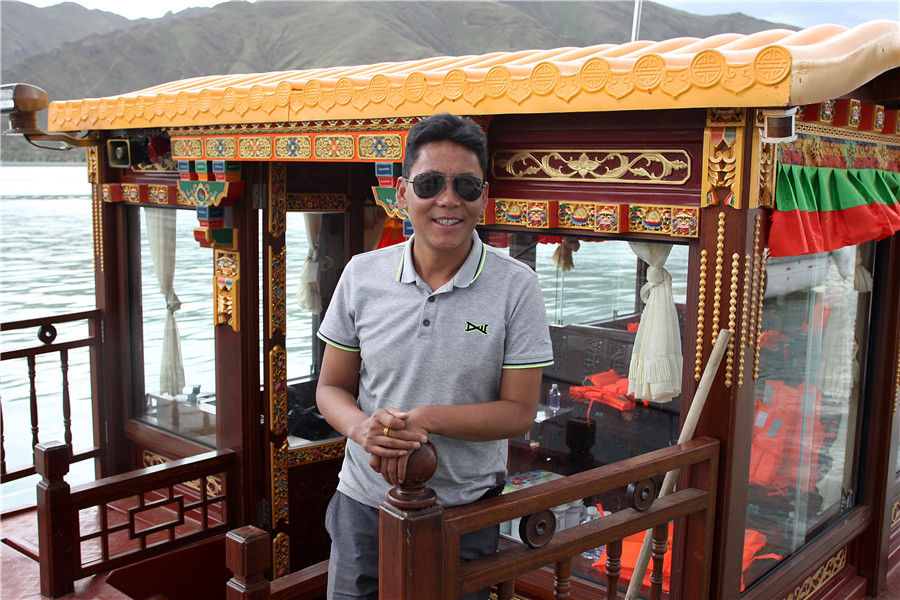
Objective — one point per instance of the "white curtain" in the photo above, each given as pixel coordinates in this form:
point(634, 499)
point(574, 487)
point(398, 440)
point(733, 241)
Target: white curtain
point(655, 371)
point(839, 367)
point(161, 234)
point(837, 363)
point(309, 295)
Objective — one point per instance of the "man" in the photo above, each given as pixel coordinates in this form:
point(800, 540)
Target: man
point(441, 339)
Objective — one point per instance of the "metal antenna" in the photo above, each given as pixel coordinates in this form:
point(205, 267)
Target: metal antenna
point(636, 23)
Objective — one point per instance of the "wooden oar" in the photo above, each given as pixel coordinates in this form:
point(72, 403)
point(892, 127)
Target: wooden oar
point(687, 432)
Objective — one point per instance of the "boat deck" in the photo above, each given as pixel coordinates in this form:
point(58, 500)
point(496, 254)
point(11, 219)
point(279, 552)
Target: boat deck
point(19, 573)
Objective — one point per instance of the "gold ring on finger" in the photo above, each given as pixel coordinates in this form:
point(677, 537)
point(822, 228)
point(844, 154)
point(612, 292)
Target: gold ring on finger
point(387, 432)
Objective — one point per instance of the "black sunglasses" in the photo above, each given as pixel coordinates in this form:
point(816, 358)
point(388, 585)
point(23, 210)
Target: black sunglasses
point(429, 185)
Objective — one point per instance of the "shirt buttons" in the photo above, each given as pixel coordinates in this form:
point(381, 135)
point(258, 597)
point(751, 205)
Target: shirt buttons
point(431, 298)
point(426, 322)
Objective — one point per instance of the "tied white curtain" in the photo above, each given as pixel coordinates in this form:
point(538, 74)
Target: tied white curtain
point(309, 295)
point(655, 371)
point(161, 234)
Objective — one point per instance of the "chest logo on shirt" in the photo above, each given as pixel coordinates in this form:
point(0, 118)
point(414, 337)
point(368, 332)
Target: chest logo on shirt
point(470, 326)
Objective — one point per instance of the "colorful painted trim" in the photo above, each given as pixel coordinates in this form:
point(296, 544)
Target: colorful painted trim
point(305, 455)
point(818, 146)
point(350, 146)
point(209, 193)
point(672, 220)
point(675, 221)
point(386, 198)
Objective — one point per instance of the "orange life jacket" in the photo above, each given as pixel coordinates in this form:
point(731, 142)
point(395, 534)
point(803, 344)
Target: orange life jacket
point(783, 436)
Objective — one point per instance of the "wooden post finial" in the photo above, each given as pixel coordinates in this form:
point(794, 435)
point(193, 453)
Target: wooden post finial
point(247, 556)
point(413, 493)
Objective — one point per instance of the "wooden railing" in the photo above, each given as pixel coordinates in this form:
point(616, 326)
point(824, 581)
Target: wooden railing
point(46, 334)
point(119, 520)
point(419, 540)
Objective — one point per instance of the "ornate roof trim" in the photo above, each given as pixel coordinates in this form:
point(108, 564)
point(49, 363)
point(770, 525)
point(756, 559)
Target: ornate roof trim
point(770, 68)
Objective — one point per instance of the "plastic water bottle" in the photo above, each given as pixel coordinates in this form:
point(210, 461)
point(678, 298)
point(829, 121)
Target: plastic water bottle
point(553, 399)
point(593, 554)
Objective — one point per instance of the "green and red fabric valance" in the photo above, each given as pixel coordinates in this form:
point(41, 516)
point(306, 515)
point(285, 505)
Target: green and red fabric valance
point(819, 209)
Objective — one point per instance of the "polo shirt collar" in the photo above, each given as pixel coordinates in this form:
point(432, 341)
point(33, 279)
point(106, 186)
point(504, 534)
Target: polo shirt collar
point(467, 274)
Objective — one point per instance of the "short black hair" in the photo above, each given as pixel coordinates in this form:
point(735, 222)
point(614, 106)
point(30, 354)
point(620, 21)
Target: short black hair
point(441, 127)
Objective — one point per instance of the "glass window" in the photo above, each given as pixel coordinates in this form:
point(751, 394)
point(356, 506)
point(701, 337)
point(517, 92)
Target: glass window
point(594, 308)
point(177, 320)
point(315, 258)
point(811, 356)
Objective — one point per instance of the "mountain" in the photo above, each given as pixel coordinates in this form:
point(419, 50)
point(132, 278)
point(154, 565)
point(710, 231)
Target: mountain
point(28, 30)
point(116, 56)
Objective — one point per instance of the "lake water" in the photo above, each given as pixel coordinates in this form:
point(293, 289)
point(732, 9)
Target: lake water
point(46, 268)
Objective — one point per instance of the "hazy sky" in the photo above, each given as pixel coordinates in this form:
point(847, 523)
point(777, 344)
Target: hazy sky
point(800, 13)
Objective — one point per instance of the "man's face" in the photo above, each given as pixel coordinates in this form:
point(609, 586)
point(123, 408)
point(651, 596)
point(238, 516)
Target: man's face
point(443, 223)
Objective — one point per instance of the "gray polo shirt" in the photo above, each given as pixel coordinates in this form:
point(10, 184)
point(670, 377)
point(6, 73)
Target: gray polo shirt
point(447, 346)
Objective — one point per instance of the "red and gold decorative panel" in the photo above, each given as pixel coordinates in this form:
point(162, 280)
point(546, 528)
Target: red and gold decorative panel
point(577, 215)
point(667, 167)
point(534, 214)
point(872, 118)
point(847, 113)
point(822, 112)
point(132, 192)
point(159, 194)
point(610, 218)
point(111, 192)
point(672, 220)
point(604, 218)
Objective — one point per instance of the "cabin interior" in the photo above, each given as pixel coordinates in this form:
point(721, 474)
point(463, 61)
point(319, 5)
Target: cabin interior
point(663, 192)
